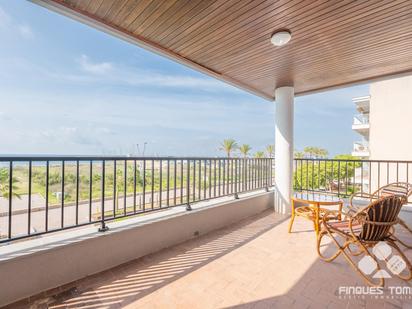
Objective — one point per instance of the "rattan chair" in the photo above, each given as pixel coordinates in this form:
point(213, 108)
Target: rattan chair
point(400, 189)
point(363, 230)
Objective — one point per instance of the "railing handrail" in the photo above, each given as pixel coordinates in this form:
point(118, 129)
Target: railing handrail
point(57, 158)
point(355, 160)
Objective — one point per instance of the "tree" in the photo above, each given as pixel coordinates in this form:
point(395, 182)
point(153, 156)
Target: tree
point(259, 154)
point(4, 184)
point(319, 175)
point(228, 146)
point(299, 155)
point(245, 149)
point(270, 150)
point(312, 152)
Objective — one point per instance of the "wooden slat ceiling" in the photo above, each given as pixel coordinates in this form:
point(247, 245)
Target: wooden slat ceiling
point(334, 43)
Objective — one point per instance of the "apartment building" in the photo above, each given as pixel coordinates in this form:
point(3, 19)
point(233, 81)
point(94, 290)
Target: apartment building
point(383, 123)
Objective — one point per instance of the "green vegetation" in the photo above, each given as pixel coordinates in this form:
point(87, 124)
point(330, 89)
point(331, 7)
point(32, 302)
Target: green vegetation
point(245, 150)
point(228, 146)
point(321, 175)
point(5, 185)
point(259, 154)
point(270, 151)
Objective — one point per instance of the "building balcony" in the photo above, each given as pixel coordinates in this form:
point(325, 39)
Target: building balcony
point(360, 149)
point(362, 104)
point(361, 124)
point(228, 247)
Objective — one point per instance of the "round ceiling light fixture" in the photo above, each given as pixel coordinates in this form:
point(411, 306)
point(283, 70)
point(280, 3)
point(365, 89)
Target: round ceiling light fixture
point(281, 38)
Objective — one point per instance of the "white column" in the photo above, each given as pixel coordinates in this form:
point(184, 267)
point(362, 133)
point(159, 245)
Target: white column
point(284, 97)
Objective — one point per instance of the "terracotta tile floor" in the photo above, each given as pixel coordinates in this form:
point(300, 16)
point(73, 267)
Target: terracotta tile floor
point(252, 264)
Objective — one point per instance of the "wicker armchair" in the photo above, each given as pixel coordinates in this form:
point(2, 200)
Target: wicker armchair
point(366, 228)
point(400, 189)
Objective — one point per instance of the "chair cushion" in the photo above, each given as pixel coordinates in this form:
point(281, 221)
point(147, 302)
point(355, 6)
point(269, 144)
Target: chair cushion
point(343, 226)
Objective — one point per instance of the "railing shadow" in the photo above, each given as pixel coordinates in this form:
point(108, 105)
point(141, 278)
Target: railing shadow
point(129, 282)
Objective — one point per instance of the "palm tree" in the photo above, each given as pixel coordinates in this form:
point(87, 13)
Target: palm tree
point(244, 150)
point(4, 184)
point(270, 150)
point(259, 154)
point(315, 152)
point(228, 146)
point(299, 155)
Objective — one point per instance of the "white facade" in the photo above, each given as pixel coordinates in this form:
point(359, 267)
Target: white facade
point(384, 122)
point(390, 119)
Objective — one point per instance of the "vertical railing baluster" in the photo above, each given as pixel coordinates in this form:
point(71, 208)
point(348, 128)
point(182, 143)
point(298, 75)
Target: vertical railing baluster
point(144, 185)
point(188, 207)
point(152, 180)
point(10, 199)
point(301, 175)
point(160, 182)
point(387, 173)
point(232, 161)
point(63, 193)
point(214, 178)
point(332, 174)
point(370, 175)
point(103, 226)
point(379, 174)
point(318, 163)
point(224, 177)
point(236, 188)
point(219, 172)
point(210, 178)
point(114, 187)
point(194, 180)
point(168, 182)
point(124, 187)
point(362, 178)
point(338, 178)
point(181, 181)
point(46, 196)
point(204, 178)
point(134, 184)
point(347, 179)
point(29, 199)
point(90, 189)
point(174, 181)
point(200, 180)
point(397, 171)
point(77, 192)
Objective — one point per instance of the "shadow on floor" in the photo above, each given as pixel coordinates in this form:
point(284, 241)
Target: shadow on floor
point(129, 282)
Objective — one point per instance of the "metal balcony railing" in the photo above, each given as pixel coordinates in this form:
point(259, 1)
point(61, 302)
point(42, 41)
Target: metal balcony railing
point(345, 177)
point(47, 194)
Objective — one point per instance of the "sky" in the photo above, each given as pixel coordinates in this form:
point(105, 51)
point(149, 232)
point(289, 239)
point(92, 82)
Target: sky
point(66, 88)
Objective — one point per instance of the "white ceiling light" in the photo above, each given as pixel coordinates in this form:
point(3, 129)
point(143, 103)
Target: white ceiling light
point(281, 38)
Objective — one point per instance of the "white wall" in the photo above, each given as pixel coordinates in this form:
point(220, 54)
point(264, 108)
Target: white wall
point(390, 127)
point(391, 119)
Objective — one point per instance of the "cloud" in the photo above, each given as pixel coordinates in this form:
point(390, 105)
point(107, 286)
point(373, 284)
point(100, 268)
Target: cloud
point(94, 68)
point(5, 19)
point(7, 23)
point(25, 31)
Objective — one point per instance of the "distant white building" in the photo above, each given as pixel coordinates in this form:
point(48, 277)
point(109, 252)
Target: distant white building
point(361, 126)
